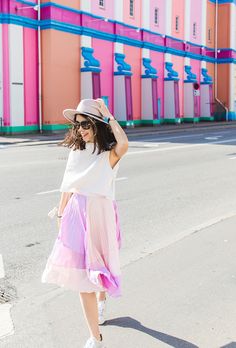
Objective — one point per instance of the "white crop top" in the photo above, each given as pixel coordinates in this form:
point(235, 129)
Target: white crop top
point(89, 173)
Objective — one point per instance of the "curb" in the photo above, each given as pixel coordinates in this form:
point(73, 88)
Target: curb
point(131, 133)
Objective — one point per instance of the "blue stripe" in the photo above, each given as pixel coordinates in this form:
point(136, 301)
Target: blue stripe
point(232, 116)
point(78, 30)
point(28, 3)
point(22, 21)
point(224, 2)
point(53, 4)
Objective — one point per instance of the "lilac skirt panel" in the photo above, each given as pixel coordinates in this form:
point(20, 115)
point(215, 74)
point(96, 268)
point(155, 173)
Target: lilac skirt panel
point(85, 256)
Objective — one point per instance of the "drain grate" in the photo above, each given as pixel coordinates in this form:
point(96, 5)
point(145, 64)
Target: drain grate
point(5, 297)
point(7, 294)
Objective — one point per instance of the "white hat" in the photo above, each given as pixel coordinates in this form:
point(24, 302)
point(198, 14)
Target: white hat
point(87, 107)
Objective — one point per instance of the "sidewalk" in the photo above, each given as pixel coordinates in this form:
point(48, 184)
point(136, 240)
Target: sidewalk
point(37, 138)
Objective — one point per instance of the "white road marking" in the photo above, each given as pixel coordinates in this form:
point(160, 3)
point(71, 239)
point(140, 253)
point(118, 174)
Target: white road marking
point(174, 137)
point(2, 273)
point(121, 178)
point(170, 240)
point(213, 138)
point(232, 158)
point(6, 324)
point(181, 147)
point(46, 192)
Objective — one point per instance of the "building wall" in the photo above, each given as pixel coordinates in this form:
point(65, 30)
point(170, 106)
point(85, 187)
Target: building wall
point(224, 29)
point(106, 65)
point(196, 18)
point(106, 11)
point(160, 5)
point(178, 11)
point(60, 74)
point(158, 63)
point(61, 52)
point(75, 4)
point(211, 71)
point(178, 65)
point(223, 89)
point(210, 25)
point(31, 77)
point(136, 19)
point(196, 68)
point(133, 57)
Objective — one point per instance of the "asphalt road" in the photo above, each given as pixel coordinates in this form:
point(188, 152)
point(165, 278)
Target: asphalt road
point(177, 199)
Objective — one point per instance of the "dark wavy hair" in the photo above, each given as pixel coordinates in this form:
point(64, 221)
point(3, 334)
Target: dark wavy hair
point(104, 138)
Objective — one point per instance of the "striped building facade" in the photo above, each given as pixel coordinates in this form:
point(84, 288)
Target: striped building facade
point(152, 61)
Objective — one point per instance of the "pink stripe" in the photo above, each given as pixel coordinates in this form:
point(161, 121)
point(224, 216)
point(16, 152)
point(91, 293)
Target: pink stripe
point(57, 14)
point(30, 76)
point(6, 77)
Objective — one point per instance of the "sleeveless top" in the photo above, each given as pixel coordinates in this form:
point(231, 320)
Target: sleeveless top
point(89, 173)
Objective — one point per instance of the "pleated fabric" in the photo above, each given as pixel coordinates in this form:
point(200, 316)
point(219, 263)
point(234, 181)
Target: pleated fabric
point(85, 255)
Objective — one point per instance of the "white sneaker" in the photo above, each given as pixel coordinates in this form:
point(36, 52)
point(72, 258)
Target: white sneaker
point(94, 343)
point(101, 312)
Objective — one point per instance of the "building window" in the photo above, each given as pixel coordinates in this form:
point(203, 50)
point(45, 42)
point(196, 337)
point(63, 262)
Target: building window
point(156, 16)
point(209, 35)
point(194, 29)
point(177, 23)
point(102, 3)
point(131, 8)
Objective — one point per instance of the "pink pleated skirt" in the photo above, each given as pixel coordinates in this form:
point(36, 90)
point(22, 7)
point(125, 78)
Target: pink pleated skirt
point(85, 255)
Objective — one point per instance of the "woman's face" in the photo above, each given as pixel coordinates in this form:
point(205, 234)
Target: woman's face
point(87, 134)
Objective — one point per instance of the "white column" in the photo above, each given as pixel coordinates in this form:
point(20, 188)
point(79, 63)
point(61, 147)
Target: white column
point(118, 10)
point(145, 53)
point(187, 29)
point(204, 23)
point(16, 61)
point(146, 14)
point(168, 13)
point(85, 41)
point(168, 21)
point(203, 28)
point(85, 5)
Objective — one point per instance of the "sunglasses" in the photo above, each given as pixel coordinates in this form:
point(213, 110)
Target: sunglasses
point(84, 124)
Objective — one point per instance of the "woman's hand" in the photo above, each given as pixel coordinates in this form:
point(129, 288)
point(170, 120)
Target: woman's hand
point(103, 109)
point(59, 223)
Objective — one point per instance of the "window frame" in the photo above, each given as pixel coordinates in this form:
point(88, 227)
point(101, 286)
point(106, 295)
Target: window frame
point(177, 24)
point(131, 2)
point(194, 29)
point(103, 3)
point(156, 16)
point(209, 34)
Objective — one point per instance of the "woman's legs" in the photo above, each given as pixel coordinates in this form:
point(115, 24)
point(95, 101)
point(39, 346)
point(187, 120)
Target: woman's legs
point(90, 309)
point(101, 295)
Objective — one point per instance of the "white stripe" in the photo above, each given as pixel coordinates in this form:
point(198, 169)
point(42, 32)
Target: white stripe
point(180, 147)
point(172, 137)
point(232, 158)
point(121, 178)
point(45, 192)
point(2, 273)
point(6, 324)
point(170, 240)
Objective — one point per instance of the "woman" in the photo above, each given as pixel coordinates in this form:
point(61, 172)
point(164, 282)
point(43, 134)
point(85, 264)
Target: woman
point(85, 256)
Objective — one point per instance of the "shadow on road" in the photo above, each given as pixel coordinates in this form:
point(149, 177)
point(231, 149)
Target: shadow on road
point(131, 323)
point(230, 345)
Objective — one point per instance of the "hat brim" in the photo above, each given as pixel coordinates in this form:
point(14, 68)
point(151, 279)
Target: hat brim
point(70, 113)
